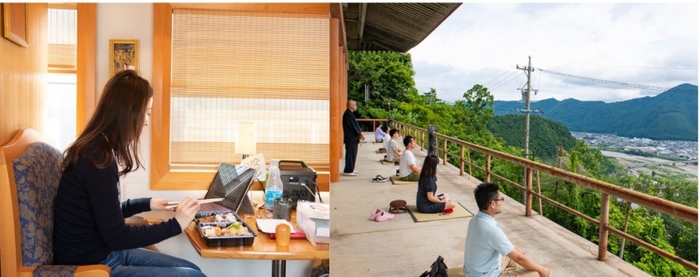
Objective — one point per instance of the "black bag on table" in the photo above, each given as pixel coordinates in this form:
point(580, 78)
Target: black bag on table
point(437, 269)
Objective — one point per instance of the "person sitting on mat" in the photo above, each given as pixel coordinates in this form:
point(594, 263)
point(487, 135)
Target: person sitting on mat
point(387, 137)
point(408, 171)
point(393, 154)
point(426, 200)
point(379, 133)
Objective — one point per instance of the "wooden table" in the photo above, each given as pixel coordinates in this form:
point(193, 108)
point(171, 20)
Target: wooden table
point(263, 248)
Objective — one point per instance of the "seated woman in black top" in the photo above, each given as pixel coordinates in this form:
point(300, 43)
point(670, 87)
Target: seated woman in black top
point(426, 200)
point(89, 225)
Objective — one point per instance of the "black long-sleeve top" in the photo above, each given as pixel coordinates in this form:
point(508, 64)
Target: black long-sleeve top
point(89, 219)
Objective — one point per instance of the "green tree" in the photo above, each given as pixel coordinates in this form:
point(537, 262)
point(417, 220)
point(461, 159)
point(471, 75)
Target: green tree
point(388, 77)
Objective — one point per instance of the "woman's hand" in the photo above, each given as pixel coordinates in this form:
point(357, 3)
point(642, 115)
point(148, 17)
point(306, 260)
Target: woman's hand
point(446, 197)
point(185, 211)
point(159, 204)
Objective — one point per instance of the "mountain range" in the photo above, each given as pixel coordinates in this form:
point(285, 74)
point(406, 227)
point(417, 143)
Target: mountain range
point(670, 115)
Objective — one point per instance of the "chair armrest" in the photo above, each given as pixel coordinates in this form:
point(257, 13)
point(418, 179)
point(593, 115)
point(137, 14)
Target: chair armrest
point(92, 271)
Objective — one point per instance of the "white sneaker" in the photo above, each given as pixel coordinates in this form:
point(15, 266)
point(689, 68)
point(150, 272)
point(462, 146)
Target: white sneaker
point(350, 174)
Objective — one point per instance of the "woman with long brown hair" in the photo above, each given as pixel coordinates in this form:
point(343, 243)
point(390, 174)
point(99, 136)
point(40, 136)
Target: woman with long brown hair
point(89, 226)
point(426, 200)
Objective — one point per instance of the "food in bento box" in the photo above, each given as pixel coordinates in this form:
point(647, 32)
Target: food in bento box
point(227, 217)
point(234, 229)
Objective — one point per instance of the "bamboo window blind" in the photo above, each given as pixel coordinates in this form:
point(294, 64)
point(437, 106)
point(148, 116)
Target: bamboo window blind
point(63, 37)
point(271, 69)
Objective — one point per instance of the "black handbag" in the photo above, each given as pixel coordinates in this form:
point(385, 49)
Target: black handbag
point(437, 269)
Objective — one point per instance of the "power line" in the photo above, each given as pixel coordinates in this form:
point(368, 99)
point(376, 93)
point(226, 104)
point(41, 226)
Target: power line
point(642, 66)
point(605, 81)
point(502, 82)
point(512, 73)
point(494, 79)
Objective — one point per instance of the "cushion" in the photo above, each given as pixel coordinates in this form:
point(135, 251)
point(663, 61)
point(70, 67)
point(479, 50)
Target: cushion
point(37, 173)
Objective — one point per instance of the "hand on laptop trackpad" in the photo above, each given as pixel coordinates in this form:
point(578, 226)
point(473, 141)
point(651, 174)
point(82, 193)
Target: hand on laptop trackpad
point(173, 204)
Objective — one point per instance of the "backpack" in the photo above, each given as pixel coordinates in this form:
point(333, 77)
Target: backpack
point(437, 269)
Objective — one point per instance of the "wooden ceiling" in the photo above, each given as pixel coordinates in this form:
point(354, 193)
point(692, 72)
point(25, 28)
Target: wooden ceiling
point(396, 27)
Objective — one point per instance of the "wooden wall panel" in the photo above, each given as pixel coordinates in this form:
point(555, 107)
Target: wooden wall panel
point(23, 76)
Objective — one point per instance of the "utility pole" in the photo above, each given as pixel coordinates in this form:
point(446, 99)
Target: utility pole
point(526, 97)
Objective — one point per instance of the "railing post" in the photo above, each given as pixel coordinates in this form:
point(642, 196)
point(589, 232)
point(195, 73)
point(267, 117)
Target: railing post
point(487, 169)
point(528, 191)
point(603, 228)
point(444, 151)
point(461, 160)
point(390, 121)
point(432, 140)
point(469, 158)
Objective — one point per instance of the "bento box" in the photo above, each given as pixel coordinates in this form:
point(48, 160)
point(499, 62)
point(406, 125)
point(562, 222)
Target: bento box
point(225, 229)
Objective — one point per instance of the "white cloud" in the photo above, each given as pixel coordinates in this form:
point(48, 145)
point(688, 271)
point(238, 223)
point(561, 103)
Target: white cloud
point(481, 43)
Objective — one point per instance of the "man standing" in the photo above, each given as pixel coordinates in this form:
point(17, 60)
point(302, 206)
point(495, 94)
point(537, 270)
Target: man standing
point(408, 171)
point(486, 243)
point(352, 134)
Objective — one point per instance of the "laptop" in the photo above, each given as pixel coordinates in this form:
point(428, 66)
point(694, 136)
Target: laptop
point(231, 183)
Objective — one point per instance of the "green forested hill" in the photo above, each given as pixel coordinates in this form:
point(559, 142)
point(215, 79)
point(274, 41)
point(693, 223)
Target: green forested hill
point(671, 115)
point(546, 135)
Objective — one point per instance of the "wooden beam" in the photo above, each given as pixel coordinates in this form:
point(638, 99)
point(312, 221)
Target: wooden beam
point(86, 65)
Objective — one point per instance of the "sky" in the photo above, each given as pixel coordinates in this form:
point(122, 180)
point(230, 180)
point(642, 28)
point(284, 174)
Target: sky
point(635, 43)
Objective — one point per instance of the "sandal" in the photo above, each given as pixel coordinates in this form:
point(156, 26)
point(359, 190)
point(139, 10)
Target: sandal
point(376, 213)
point(383, 216)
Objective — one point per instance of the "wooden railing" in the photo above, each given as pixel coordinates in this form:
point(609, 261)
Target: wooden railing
point(606, 190)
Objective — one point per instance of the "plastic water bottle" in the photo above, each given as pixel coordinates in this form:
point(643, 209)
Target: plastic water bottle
point(273, 188)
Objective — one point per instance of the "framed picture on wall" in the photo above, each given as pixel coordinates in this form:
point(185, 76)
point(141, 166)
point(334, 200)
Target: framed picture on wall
point(123, 54)
point(14, 22)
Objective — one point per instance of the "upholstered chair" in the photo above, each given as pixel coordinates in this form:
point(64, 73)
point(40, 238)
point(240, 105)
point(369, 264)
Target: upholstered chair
point(30, 170)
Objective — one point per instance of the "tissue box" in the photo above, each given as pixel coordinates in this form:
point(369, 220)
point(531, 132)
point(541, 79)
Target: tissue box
point(314, 220)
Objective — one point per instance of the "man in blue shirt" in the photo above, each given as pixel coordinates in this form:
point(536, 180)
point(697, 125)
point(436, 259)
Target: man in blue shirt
point(487, 250)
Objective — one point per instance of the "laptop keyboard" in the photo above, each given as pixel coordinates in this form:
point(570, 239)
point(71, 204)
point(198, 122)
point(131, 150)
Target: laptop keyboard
point(205, 209)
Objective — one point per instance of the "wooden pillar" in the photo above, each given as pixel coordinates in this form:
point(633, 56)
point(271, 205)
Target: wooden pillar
point(336, 135)
point(86, 66)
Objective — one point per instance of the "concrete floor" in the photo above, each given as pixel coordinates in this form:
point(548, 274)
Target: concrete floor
point(401, 247)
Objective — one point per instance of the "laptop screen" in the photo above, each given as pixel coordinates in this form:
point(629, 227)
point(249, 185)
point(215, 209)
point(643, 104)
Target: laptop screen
point(232, 183)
